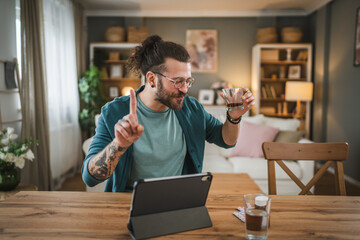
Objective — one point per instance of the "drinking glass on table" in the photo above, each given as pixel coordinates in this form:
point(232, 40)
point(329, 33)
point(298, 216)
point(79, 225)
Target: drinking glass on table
point(233, 97)
point(257, 211)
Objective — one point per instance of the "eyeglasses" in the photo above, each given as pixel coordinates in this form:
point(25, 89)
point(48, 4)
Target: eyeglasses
point(179, 81)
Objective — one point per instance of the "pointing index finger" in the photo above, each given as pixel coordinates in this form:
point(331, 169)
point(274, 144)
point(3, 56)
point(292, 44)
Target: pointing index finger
point(132, 102)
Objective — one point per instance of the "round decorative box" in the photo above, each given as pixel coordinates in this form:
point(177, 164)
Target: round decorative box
point(266, 35)
point(115, 34)
point(291, 34)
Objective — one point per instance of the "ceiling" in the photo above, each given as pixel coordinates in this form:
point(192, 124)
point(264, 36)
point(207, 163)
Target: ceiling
point(201, 8)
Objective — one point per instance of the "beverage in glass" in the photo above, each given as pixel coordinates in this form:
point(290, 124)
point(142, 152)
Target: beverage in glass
point(257, 210)
point(233, 97)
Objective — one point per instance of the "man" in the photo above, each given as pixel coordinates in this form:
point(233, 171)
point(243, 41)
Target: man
point(159, 130)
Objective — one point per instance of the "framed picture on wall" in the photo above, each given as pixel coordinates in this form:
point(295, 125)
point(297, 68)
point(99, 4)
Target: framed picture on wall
point(206, 96)
point(116, 71)
point(357, 39)
point(113, 92)
point(202, 46)
point(294, 72)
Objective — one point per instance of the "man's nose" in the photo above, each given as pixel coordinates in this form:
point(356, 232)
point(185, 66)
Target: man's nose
point(184, 88)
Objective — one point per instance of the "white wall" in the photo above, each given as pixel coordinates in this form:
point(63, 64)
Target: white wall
point(9, 103)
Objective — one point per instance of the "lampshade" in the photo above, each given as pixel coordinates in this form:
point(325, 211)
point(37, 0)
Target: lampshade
point(125, 91)
point(298, 91)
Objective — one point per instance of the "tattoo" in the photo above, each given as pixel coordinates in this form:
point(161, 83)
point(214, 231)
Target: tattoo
point(102, 165)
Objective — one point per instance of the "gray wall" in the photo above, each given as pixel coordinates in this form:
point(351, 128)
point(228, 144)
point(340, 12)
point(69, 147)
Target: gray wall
point(236, 36)
point(338, 80)
point(9, 103)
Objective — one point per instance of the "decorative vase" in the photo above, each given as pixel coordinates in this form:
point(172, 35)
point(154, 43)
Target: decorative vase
point(219, 99)
point(9, 178)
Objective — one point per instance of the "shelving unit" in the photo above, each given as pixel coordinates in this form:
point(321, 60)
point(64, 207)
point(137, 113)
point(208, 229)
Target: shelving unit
point(272, 66)
point(115, 78)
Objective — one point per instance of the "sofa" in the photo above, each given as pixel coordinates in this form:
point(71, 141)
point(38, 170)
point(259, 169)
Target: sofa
point(249, 159)
point(246, 156)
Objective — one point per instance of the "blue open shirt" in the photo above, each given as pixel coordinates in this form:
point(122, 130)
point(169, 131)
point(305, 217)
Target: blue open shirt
point(197, 126)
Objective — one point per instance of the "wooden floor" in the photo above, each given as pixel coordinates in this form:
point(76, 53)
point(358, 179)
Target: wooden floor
point(324, 187)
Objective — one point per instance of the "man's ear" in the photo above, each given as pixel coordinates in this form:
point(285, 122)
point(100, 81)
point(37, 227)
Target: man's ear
point(150, 78)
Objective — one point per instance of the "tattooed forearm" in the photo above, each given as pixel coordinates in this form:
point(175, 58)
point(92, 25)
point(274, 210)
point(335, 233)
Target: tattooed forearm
point(102, 165)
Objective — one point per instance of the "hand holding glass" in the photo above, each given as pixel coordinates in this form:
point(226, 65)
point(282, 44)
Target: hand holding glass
point(233, 97)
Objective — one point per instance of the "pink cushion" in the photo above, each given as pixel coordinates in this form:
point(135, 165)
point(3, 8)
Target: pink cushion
point(251, 138)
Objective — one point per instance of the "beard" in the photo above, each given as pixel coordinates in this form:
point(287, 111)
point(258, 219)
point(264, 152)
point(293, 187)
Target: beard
point(168, 99)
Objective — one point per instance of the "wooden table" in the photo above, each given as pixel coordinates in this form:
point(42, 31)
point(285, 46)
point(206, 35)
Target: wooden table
point(85, 215)
point(21, 187)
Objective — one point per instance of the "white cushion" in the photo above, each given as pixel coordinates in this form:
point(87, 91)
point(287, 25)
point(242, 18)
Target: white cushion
point(216, 164)
point(305, 140)
point(86, 145)
point(257, 168)
point(283, 187)
point(283, 124)
point(212, 149)
point(97, 188)
point(256, 119)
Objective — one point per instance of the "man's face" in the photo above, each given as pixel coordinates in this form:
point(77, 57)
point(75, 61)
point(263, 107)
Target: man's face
point(166, 93)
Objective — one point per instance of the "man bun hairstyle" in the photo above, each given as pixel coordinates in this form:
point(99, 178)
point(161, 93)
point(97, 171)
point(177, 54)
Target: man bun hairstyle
point(151, 54)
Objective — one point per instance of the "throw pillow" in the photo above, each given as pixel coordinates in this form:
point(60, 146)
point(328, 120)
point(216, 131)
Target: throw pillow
point(251, 137)
point(283, 124)
point(289, 136)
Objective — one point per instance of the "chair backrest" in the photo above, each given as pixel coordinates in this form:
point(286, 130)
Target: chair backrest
point(332, 153)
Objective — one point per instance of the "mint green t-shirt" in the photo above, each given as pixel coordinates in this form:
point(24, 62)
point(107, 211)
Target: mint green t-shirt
point(161, 149)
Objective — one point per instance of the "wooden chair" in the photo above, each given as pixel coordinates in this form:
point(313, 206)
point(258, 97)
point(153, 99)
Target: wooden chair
point(332, 153)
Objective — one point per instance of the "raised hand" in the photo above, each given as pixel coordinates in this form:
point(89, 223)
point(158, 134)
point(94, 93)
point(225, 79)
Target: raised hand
point(128, 130)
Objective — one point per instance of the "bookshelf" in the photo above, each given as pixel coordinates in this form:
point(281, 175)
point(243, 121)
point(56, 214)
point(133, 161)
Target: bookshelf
point(273, 65)
point(115, 77)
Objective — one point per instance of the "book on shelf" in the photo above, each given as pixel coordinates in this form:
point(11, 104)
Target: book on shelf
point(263, 92)
point(267, 110)
point(273, 92)
point(268, 91)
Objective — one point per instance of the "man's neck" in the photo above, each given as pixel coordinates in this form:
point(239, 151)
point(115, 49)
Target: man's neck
point(148, 97)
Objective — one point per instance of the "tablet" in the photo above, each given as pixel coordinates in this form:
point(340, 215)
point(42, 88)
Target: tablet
point(170, 204)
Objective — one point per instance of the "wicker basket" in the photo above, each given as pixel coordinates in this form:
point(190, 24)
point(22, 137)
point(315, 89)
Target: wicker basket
point(115, 34)
point(137, 35)
point(291, 34)
point(266, 35)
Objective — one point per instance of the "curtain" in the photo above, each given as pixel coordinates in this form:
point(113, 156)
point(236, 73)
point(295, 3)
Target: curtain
point(79, 37)
point(63, 96)
point(34, 89)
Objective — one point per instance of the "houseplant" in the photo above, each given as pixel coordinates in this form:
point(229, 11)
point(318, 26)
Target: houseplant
point(12, 158)
point(92, 99)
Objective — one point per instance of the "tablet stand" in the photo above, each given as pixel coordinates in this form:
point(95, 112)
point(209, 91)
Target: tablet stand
point(157, 224)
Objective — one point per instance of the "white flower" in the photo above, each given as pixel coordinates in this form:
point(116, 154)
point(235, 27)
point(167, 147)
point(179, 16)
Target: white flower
point(9, 130)
point(13, 136)
point(29, 155)
point(5, 141)
point(7, 153)
point(19, 162)
point(23, 147)
point(9, 157)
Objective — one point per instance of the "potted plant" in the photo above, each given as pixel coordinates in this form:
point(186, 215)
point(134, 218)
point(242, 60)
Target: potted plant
point(12, 158)
point(92, 99)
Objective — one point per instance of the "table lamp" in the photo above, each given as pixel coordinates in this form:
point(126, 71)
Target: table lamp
point(125, 91)
point(298, 91)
